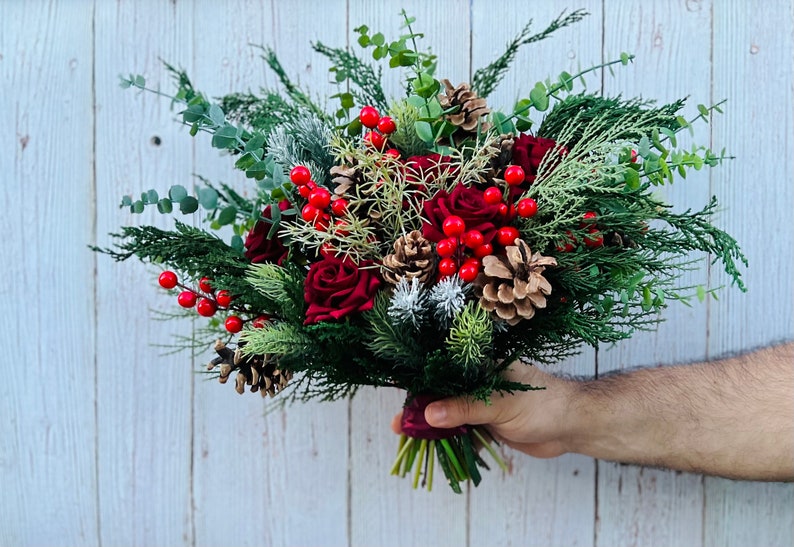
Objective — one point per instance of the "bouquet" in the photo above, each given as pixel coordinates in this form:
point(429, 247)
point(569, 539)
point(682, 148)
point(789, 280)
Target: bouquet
point(426, 242)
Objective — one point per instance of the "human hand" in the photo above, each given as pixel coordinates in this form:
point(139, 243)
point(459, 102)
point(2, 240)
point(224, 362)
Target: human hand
point(534, 422)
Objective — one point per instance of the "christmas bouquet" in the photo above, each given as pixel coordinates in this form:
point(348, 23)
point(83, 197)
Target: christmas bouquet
point(428, 242)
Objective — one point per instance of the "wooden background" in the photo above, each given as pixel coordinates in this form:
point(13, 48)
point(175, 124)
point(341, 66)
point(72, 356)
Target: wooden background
point(103, 441)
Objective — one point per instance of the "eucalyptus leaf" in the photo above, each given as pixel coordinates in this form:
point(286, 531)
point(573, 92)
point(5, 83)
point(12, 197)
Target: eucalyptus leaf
point(208, 198)
point(188, 205)
point(177, 193)
point(164, 206)
point(227, 215)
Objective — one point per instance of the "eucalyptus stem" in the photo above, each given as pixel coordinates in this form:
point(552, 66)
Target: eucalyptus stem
point(417, 472)
point(405, 444)
point(431, 460)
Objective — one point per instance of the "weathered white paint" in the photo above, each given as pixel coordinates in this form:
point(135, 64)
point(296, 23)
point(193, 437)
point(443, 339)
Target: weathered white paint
point(105, 441)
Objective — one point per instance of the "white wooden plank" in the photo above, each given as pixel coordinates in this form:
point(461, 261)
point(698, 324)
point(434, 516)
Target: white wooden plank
point(540, 502)
point(47, 417)
point(753, 70)
point(384, 509)
point(144, 400)
point(639, 506)
point(289, 469)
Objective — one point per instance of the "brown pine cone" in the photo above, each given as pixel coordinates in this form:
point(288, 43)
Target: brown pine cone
point(512, 286)
point(259, 372)
point(413, 257)
point(471, 107)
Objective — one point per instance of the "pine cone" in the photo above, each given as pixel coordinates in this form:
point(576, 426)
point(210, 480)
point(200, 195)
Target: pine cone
point(472, 108)
point(413, 257)
point(259, 372)
point(345, 177)
point(500, 152)
point(513, 286)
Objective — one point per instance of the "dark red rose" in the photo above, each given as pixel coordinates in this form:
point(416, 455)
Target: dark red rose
point(468, 204)
point(258, 247)
point(337, 287)
point(528, 152)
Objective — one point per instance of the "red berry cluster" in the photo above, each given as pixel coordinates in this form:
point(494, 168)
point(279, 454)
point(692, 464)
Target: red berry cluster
point(206, 300)
point(452, 250)
point(319, 200)
point(371, 119)
point(525, 208)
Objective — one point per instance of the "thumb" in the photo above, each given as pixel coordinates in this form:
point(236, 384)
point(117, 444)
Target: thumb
point(457, 411)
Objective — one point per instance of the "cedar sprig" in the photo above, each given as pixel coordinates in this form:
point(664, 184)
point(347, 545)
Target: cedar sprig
point(486, 79)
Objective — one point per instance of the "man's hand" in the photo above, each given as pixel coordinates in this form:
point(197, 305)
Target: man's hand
point(534, 422)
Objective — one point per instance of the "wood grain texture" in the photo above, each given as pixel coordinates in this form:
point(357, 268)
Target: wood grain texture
point(384, 509)
point(757, 191)
point(105, 441)
point(47, 419)
point(144, 399)
point(671, 41)
point(287, 469)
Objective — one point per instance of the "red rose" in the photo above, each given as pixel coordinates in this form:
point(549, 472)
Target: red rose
point(468, 204)
point(528, 152)
point(337, 287)
point(259, 247)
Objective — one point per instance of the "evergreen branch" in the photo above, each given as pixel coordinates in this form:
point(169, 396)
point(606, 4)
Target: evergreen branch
point(294, 92)
point(486, 79)
point(469, 339)
point(367, 79)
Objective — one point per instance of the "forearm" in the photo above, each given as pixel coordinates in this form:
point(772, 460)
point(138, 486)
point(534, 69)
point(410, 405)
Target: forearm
point(733, 418)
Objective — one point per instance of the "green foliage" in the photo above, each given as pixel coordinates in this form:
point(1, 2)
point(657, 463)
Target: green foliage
point(470, 338)
point(486, 79)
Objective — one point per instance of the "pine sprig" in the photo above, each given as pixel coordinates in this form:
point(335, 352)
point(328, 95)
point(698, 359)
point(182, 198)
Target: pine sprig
point(470, 338)
point(486, 79)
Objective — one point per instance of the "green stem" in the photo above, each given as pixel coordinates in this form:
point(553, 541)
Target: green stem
point(500, 462)
point(417, 472)
point(453, 459)
point(406, 444)
point(431, 460)
point(410, 457)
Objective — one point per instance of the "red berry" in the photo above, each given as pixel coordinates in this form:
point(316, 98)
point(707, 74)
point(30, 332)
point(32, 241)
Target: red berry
point(588, 220)
point(224, 299)
point(322, 222)
point(206, 307)
point(386, 125)
point(453, 226)
point(167, 279)
point(304, 191)
point(472, 260)
point(514, 175)
point(309, 212)
point(393, 152)
point(233, 324)
point(527, 207)
point(594, 238)
point(468, 272)
point(341, 228)
point(260, 322)
point(376, 140)
point(311, 185)
point(186, 299)
point(204, 284)
point(483, 250)
point(503, 209)
point(369, 117)
point(447, 266)
point(320, 198)
point(633, 156)
point(473, 239)
point(328, 249)
point(446, 247)
point(492, 195)
point(339, 207)
point(507, 235)
point(300, 175)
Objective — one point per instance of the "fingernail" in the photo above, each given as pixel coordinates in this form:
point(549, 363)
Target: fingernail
point(436, 415)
